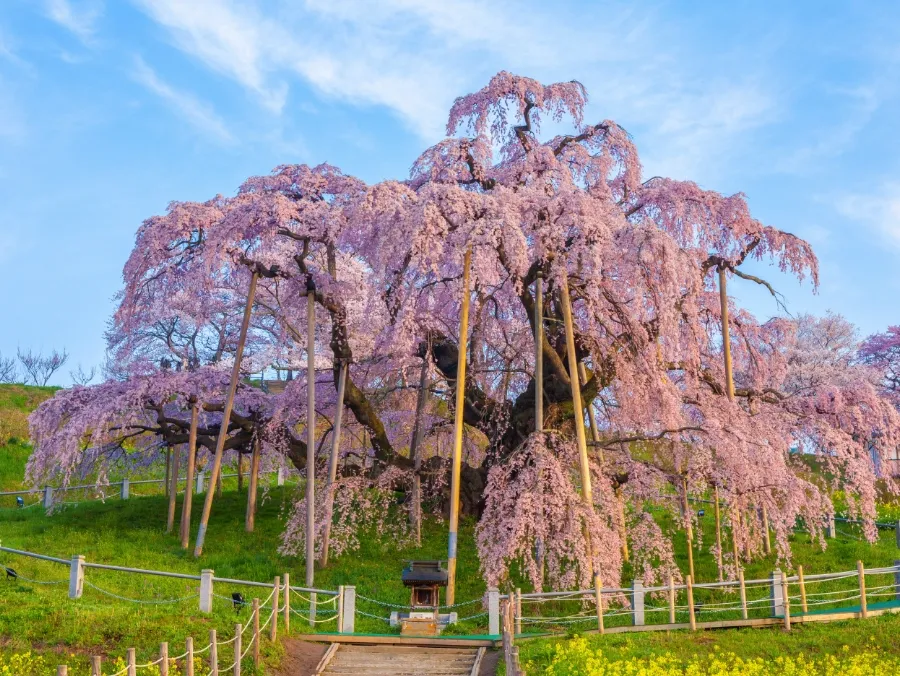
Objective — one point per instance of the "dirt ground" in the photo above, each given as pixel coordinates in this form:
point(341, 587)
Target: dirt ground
point(302, 657)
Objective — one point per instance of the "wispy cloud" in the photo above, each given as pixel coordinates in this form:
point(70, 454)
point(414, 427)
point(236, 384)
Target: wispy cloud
point(80, 18)
point(878, 210)
point(199, 114)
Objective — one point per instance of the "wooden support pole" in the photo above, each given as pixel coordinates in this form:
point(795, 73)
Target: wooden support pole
point(802, 584)
point(287, 603)
point(598, 594)
point(690, 600)
point(240, 471)
point(164, 657)
point(333, 461)
point(688, 528)
point(458, 429)
point(539, 352)
point(173, 490)
point(273, 630)
point(743, 594)
point(671, 600)
point(250, 517)
point(415, 450)
point(587, 494)
point(726, 337)
point(256, 633)
point(861, 574)
point(310, 431)
point(226, 417)
point(191, 466)
point(238, 649)
point(130, 662)
point(97, 666)
point(767, 542)
point(787, 602)
point(519, 612)
point(189, 656)
point(718, 533)
point(168, 482)
point(735, 517)
point(213, 649)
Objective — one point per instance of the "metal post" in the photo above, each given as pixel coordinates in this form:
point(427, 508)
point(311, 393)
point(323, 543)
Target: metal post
point(539, 352)
point(237, 649)
point(348, 617)
point(861, 574)
point(310, 430)
point(690, 600)
point(456, 465)
point(76, 577)
point(206, 590)
point(273, 630)
point(213, 654)
point(124, 491)
point(226, 416)
point(776, 597)
point(189, 480)
point(637, 603)
point(189, 656)
point(335, 455)
point(493, 605)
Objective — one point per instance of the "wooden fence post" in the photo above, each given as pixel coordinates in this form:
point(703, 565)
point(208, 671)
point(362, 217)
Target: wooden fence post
point(787, 602)
point(213, 651)
point(802, 584)
point(861, 573)
point(518, 611)
point(131, 662)
point(744, 614)
point(598, 592)
point(690, 600)
point(273, 630)
point(62, 670)
point(671, 600)
point(97, 666)
point(163, 659)
point(189, 657)
point(287, 603)
point(256, 633)
point(237, 649)
point(718, 534)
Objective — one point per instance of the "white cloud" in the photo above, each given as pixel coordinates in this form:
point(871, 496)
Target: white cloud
point(879, 210)
point(80, 18)
point(196, 112)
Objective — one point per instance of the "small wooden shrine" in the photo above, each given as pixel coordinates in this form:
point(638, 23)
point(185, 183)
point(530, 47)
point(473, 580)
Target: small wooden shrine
point(425, 579)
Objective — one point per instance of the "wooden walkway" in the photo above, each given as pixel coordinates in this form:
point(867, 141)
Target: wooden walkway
point(399, 660)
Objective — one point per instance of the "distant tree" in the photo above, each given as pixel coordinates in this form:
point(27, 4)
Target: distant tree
point(39, 368)
point(8, 371)
point(882, 350)
point(82, 377)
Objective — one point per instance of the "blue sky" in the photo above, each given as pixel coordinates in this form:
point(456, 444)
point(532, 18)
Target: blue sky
point(110, 109)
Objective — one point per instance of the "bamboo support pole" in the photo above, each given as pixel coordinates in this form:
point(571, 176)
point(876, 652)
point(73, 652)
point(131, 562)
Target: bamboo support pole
point(726, 337)
point(861, 574)
point(333, 458)
point(164, 653)
point(802, 585)
point(213, 651)
point(256, 633)
point(310, 431)
point(458, 429)
point(189, 656)
point(671, 600)
point(598, 593)
point(238, 649)
point(743, 594)
point(226, 416)
point(191, 466)
point(718, 534)
point(415, 451)
point(785, 595)
point(253, 488)
point(587, 494)
point(173, 490)
point(287, 603)
point(273, 630)
point(690, 600)
point(539, 352)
